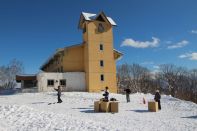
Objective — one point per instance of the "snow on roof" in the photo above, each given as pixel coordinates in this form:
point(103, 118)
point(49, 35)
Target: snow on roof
point(118, 51)
point(90, 16)
point(26, 74)
point(111, 21)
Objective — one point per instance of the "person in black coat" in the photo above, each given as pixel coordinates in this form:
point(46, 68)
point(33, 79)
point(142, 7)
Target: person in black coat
point(58, 94)
point(106, 94)
point(128, 92)
point(157, 98)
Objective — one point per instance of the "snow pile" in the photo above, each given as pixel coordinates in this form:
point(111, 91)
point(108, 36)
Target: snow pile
point(30, 111)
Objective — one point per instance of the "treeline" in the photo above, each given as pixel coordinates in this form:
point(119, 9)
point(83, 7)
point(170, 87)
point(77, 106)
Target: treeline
point(169, 79)
point(8, 74)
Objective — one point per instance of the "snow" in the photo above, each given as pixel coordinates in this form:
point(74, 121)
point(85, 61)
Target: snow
point(30, 111)
point(26, 74)
point(111, 21)
point(88, 15)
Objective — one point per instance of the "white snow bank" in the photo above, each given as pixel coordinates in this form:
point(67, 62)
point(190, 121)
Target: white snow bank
point(31, 112)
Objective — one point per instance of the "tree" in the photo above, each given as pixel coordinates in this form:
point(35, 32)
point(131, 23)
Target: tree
point(172, 75)
point(8, 73)
point(139, 76)
point(123, 76)
point(133, 76)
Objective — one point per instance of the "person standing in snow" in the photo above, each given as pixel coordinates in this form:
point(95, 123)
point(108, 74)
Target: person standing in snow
point(58, 94)
point(157, 98)
point(106, 94)
point(128, 92)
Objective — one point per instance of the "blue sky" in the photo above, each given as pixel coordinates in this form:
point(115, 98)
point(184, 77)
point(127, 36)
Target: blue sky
point(149, 32)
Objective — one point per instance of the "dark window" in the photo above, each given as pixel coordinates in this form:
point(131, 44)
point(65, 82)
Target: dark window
point(102, 77)
point(50, 82)
point(101, 63)
point(100, 28)
point(101, 46)
point(63, 82)
point(84, 29)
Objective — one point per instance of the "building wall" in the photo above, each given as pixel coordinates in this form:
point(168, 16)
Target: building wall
point(75, 81)
point(93, 55)
point(70, 60)
point(73, 60)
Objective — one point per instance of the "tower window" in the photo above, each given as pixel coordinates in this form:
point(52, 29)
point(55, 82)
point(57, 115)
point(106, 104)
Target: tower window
point(84, 29)
point(101, 63)
point(100, 28)
point(101, 46)
point(102, 77)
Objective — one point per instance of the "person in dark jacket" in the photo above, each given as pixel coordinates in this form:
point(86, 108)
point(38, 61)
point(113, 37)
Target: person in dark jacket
point(128, 92)
point(58, 94)
point(106, 94)
point(157, 98)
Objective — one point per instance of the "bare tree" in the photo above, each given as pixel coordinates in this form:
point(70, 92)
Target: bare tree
point(123, 76)
point(170, 79)
point(172, 74)
point(133, 77)
point(139, 75)
point(8, 73)
point(193, 85)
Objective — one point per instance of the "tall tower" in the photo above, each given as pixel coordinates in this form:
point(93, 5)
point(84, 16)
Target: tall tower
point(99, 54)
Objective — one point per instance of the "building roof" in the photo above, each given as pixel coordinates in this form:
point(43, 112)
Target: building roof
point(90, 16)
point(118, 54)
point(26, 77)
point(118, 51)
point(56, 52)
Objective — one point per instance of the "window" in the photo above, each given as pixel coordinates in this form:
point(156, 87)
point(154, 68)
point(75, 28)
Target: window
point(101, 46)
point(63, 82)
point(101, 63)
point(102, 77)
point(100, 28)
point(84, 29)
point(50, 82)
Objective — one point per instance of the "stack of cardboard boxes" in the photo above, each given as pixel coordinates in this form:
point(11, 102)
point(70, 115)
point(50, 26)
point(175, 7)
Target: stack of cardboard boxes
point(102, 106)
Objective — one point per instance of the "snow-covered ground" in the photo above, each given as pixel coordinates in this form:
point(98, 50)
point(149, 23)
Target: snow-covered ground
point(30, 111)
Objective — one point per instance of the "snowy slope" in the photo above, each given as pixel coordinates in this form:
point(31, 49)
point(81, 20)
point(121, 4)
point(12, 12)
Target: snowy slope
point(31, 112)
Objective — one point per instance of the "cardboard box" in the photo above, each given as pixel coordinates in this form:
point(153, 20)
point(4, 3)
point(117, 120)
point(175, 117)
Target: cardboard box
point(153, 106)
point(104, 106)
point(114, 107)
point(97, 106)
